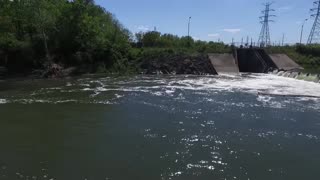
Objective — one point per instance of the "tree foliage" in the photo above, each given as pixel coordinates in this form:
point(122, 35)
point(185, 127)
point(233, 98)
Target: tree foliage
point(154, 39)
point(67, 32)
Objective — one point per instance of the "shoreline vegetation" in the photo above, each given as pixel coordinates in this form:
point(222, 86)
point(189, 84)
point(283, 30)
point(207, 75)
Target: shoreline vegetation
point(60, 38)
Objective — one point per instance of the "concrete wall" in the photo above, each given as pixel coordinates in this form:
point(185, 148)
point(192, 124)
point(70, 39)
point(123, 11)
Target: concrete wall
point(224, 63)
point(283, 62)
point(270, 63)
point(253, 60)
point(257, 60)
point(249, 60)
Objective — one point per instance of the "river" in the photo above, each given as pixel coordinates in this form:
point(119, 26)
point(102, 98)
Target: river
point(248, 127)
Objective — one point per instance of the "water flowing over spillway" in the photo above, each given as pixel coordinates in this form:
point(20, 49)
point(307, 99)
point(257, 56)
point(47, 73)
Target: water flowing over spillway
point(248, 126)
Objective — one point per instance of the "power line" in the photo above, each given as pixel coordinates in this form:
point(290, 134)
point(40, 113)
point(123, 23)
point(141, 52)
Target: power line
point(264, 38)
point(314, 36)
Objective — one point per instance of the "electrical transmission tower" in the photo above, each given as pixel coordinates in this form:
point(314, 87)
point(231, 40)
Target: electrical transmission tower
point(264, 38)
point(314, 36)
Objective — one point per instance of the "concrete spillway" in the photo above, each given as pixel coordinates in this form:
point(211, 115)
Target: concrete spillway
point(283, 62)
point(252, 60)
point(224, 63)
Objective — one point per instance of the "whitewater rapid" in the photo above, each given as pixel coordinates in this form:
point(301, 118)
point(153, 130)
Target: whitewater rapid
point(108, 90)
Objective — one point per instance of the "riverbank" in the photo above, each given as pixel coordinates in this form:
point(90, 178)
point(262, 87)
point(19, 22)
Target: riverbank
point(140, 61)
point(145, 61)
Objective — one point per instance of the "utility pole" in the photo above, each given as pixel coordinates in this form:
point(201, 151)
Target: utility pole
point(264, 38)
point(283, 35)
point(189, 39)
point(302, 30)
point(314, 36)
point(247, 44)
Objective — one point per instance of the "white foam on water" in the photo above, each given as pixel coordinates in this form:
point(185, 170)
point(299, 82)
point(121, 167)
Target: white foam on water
point(119, 96)
point(85, 85)
point(251, 83)
point(65, 101)
point(268, 101)
point(103, 102)
point(3, 101)
point(30, 101)
point(265, 86)
point(199, 166)
point(53, 88)
point(170, 92)
point(271, 84)
point(87, 89)
point(102, 89)
point(157, 93)
point(309, 99)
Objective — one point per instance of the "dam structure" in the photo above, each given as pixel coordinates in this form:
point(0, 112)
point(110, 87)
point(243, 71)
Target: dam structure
point(254, 60)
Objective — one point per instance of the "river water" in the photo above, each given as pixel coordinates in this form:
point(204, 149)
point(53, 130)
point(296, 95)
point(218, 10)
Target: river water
point(248, 127)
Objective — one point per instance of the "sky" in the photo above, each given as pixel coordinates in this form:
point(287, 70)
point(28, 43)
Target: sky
point(213, 19)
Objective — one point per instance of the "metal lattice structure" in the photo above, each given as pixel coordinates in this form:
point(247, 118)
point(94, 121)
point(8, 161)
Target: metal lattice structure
point(314, 36)
point(264, 38)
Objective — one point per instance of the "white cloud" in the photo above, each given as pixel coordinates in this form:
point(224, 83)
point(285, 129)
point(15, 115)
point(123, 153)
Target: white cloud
point(214, 35)
point(142, 28)
point(232, 30)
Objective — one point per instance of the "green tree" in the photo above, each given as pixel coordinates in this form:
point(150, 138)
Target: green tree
point(151, 38)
